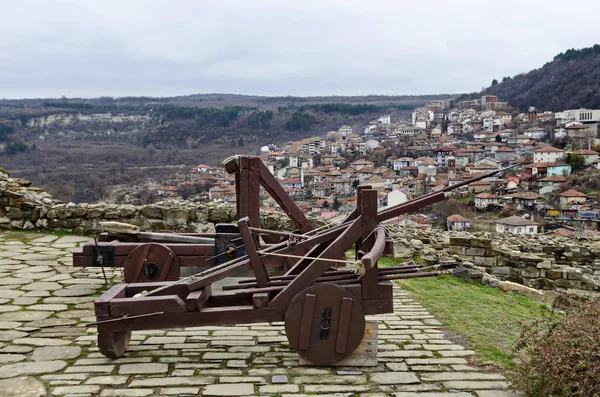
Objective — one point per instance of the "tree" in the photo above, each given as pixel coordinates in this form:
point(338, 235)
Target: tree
point(494, 82)
point(336, 203)
point(325, 204)
point(576, 161)
point(498, 138)
point(241, 142)
point(232, 142)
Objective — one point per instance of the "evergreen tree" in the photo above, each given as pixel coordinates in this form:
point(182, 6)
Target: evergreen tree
point(336, 203)
point(241, 142)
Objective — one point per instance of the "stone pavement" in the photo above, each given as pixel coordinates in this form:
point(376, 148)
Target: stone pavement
point(46, 350)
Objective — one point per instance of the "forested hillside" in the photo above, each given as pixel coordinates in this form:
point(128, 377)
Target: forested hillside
point(83, 145)
point(570, 81)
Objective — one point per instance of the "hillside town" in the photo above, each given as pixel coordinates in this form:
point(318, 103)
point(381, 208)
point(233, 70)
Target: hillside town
point(441, 145)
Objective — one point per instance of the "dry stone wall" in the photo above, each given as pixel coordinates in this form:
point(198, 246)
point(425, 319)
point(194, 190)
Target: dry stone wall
point(23, 207)
point(538, 262)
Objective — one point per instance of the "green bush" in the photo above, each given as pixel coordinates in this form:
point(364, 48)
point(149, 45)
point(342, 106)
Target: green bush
point(561, 357)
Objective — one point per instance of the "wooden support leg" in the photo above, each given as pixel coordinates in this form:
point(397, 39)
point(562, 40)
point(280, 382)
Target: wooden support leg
point(368, 212)
point(113, 344)
point(260, 272)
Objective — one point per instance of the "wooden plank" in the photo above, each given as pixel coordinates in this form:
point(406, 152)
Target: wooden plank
point(260, 272)
point(196, 299)
point(368, 211)
point(146, 304)
point(410, 206)
point(180, 249)
point(370, 259)
point(317, 268)
point(288, 206)
point(306, 321)
point(207, 316)
point(343, 326)
point(181, 290)
point(249, 195)
point(260, 299)
point(102, 304)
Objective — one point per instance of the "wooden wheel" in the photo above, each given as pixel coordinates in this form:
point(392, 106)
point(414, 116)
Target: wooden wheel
point(113, 344)
point(324, 323)
point(151, 262)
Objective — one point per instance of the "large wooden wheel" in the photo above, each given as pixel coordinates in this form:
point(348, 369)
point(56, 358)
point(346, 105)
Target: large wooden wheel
point(151, 262)
point(325, 323)
point(113, 344)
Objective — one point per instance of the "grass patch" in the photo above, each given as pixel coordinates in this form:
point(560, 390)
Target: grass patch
point(487, 317)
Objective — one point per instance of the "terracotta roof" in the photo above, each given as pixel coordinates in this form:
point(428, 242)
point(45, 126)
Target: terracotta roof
point(505, 149)
point(548, 149)
point(486, 196)
point(524, 195)
point(584, 152)
point(572, 193)
point(457, 218)
point(516, 221)
point(554, 178)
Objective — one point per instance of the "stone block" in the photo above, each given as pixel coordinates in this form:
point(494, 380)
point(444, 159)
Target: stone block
point(520, 289)
point(481, 242)
point(530, 272)
point(475, 251)
point(565, 283)
point(554, 274)
point(460, 241)
point(484, 261)
point(502, 270)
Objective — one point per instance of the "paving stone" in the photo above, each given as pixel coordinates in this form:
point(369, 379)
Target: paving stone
point(9, 308)
point(24, 315)
point(397, 366)
point(279, 379)
point(10, 293)
point(499, 393)
point(126, 393)
point(441, 376)
point(335, 388)
point(63, 390)
point(9, 324)
point(330, 379)
point(56, 353)
point(277, 389)
point(7, 336)
point(173, 381)
point(425, 394)
point(25, 386)
point(242, 389)
point(151, 368)
point(31, 368)
point(16, 349)
point(50, 307)
point(394, 378)
point(161, 340)
point(42, 286)
point(41, 342)
point(107, 380)
point(11, 358)
point(106, 369)
point(179, 391)
point(474, 385)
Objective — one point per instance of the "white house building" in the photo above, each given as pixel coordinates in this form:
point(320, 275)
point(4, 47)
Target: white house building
point(547, 154)
point(516, 225)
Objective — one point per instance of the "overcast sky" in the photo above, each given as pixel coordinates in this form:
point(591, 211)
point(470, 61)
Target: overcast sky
point(86, 48)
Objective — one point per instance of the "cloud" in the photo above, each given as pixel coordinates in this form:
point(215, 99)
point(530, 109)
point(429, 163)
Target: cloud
point(273, 47)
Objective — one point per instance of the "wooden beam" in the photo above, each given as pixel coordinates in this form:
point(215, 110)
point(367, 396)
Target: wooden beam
point(260, 272)
point(368, 215)
point(313, 271)
point(278, 193)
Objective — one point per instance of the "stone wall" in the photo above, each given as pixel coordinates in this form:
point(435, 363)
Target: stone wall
point(543, 263)
point(26, 208)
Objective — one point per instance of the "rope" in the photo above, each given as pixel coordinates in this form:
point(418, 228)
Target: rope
point(308, 257)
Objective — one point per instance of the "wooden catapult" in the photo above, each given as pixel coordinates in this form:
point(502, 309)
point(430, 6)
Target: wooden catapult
point(323, 307)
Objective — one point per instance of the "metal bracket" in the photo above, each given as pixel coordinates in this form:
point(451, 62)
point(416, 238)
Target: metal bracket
point(228, 243)
point(103, 256)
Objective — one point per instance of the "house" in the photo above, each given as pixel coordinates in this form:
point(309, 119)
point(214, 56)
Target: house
point(547, 154)
point(458, 223)
point(360, 164)
point(551, 183)
point(291, 183)
point(484, 200)
point(505, 154)
point(516, 225)
point(590, 156)
point(558, 168)
point(535, 133)
point(523, 200)
point(571, 200)
point(396, 197)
